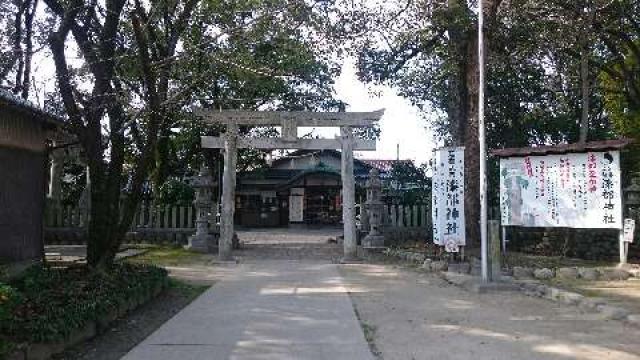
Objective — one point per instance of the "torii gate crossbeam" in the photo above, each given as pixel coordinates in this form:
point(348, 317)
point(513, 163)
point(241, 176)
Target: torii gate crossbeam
point(289, 121)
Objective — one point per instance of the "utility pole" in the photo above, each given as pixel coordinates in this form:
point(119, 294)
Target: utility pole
point(483, 145)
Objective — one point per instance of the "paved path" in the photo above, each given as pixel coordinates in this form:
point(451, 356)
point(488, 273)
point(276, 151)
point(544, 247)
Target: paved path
point(264, 310)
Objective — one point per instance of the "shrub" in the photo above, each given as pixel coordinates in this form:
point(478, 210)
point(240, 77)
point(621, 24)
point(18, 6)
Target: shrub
point(9, 300)
point(57, 301)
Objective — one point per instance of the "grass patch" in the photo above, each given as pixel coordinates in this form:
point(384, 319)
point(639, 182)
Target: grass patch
point(166, 256)
point(368, 330)
point(188, 290)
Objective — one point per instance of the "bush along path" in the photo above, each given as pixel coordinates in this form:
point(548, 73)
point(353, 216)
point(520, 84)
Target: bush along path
point(49, 309)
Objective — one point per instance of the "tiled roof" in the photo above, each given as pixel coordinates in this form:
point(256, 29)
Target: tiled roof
point(383, 165)
point(19, 104)
point(563, 148)
point(269, 173)
point(303, 153)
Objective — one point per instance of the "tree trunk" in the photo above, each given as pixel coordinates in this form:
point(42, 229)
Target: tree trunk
point(103, 236)
point(470, 131)
point(586, 94)
point(472, 147)
point(28, 55)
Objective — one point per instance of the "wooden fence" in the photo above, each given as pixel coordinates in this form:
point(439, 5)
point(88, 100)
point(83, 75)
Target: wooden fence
point(402, 223)
point(174, 224)
point(152, 223)
point(407, 216)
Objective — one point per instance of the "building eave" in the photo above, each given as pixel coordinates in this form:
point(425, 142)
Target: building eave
point(24, 106)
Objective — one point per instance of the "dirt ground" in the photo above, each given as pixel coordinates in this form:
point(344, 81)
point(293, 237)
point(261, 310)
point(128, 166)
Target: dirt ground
point(412, 315)
point(625, 293)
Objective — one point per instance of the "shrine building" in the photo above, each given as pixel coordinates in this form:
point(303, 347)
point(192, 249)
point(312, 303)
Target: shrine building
point(303, 187)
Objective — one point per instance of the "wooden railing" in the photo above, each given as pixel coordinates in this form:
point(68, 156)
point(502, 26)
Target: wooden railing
point(407, 216)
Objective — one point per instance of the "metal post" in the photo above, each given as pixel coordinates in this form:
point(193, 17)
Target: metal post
point(504, 239)
point(483, 146)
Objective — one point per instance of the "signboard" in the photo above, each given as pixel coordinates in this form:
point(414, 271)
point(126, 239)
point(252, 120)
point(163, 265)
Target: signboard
point(296, 205)
point(629, 230)
point(569, 190)
point(447, 198)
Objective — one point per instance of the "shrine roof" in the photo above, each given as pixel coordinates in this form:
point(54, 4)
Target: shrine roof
point(24, 106)
point(269, 173)
point(616, 144)
point(335, 153)
point(382, 164)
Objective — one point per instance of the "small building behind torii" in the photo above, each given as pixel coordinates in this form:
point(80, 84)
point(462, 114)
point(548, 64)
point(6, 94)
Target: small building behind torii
point(289, 123)
point(303, 187)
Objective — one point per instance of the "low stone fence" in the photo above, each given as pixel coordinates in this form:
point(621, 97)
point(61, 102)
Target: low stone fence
point(152, 224)
point(588, 244)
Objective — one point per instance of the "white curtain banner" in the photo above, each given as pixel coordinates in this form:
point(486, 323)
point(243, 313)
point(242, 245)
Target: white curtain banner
point(447, 198)
point(570, 190)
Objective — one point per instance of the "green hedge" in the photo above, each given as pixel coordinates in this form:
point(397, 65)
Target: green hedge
point(48, 304)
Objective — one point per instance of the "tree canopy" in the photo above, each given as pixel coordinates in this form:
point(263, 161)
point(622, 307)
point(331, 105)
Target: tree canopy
point(128, 73)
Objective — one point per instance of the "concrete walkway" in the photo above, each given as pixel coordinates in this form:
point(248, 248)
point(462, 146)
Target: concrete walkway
point(264, 310)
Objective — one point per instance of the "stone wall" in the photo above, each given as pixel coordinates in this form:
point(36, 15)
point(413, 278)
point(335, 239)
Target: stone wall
point(395, 236)
point(590, 244)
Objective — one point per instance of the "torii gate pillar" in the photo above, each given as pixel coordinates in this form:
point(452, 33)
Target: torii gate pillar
point(348, 195)
point(225, 243)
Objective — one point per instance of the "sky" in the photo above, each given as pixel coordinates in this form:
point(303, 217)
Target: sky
point(401, 124)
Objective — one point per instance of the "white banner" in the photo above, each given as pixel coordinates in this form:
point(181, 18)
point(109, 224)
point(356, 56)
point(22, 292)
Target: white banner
point(447, 198)
point(569, 190)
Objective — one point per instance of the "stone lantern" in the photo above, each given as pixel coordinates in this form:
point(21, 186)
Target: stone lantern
point(375, 206)
point(202, 241)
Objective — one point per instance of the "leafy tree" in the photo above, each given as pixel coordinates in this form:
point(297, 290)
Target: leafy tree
point(623, 110)
point(17, 22)
point(540, 89)
point(409, 182)
point(143, 64)
point(428, 50)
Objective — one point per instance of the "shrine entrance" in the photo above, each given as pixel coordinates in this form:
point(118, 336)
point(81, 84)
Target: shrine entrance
point(289, 122)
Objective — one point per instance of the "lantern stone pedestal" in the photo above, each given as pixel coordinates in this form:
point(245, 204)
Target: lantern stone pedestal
point(374, 205)
point(202, 241)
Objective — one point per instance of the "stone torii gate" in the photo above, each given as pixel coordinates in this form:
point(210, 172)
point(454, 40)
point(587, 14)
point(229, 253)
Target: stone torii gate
point(289, 123)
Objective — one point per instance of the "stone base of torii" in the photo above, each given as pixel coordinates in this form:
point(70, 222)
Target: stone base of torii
point(289, 122)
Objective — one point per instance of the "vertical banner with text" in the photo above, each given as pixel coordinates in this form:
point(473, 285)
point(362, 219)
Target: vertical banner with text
point(447, 198)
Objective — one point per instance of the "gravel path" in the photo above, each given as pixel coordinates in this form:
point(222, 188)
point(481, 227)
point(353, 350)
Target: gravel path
point(418, 316)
